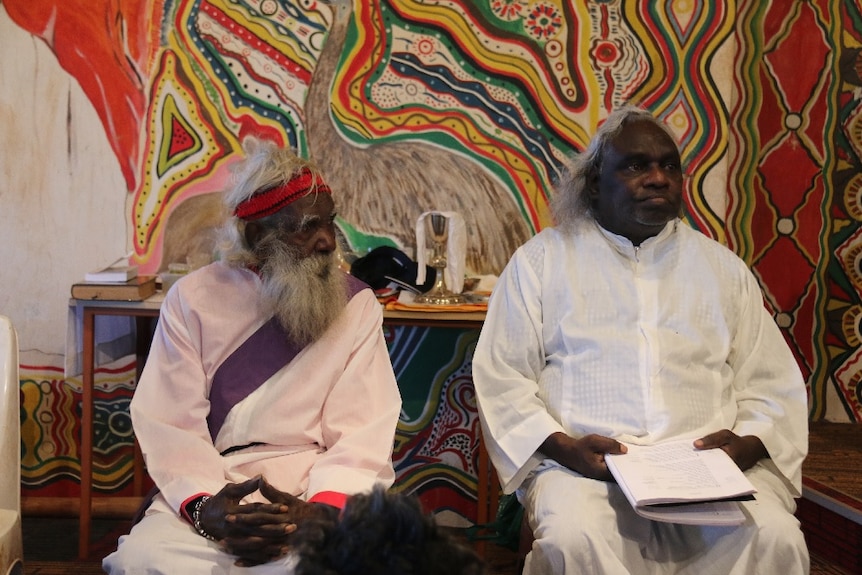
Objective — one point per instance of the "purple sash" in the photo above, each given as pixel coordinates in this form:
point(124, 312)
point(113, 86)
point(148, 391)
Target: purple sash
point(254, 362)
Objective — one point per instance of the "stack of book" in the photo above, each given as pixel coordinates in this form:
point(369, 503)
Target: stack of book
point(115, 282)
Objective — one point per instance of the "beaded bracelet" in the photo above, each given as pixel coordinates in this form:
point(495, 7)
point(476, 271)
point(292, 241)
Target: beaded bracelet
point(196, 518)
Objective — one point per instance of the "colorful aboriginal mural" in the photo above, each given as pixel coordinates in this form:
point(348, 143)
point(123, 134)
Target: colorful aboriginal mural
point(835, 359)
point(473, 106)
point(436, 445)
point(408, 105)
point(51, 428)
point(793, 207)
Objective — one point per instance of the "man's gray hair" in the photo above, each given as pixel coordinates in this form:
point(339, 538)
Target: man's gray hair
point(571, 202)
point(265, 165)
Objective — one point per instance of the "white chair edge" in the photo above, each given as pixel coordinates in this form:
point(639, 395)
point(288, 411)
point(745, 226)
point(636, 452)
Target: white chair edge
point(11, 536)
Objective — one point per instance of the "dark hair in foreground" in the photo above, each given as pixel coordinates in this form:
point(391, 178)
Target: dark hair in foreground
point(382, 532)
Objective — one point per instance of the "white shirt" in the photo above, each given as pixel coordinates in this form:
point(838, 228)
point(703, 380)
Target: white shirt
point(586, 333)
point(327, 420)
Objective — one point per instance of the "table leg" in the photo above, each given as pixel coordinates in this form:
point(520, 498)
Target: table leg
point(138, 472)
point(483, 487)
point(143, 339)
point(87, 383)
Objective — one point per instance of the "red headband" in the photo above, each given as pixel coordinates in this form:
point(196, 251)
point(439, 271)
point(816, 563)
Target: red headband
point(269, 201)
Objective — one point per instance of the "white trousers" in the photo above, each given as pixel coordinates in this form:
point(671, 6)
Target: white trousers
point(586, 526)
point(163, 543)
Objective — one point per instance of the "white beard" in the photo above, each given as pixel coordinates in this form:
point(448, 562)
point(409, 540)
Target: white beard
point(306, 295)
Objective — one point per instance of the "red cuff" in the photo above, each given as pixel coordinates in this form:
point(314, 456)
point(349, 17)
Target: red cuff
point(188, 503)
point(333, 498)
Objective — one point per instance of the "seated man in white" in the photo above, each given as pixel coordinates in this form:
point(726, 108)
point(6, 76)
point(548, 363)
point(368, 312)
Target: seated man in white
point(268, 367)
point(624, 325)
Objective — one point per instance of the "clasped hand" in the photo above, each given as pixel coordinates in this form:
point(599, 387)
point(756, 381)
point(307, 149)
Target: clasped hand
point(255, 533)
point(587, 454)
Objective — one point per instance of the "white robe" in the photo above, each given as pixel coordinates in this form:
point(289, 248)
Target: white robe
point(586, 333)
point(326, 420)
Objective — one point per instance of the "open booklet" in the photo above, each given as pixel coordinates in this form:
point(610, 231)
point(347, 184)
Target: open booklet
point(676, 483)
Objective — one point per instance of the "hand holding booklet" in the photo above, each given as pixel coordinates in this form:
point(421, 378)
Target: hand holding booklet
point(676, 483)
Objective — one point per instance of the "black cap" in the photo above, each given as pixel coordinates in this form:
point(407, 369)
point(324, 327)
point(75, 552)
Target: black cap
point(385, 264)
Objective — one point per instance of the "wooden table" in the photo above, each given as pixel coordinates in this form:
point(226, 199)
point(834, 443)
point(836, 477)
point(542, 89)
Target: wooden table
point(454, 319)
point(144, 312)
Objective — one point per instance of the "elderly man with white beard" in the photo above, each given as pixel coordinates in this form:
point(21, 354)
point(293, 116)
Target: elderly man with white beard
point(268, 396)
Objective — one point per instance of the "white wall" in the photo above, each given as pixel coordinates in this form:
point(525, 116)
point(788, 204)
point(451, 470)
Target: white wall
point(62, 196)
